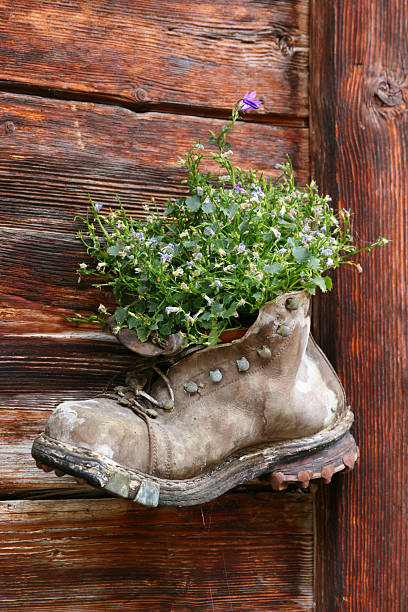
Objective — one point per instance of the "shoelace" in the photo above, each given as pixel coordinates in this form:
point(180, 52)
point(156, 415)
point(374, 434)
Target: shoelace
point(134, 389)
point(129, 395)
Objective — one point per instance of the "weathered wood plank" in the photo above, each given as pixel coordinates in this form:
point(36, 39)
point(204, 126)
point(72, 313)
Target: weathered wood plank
point(53, 153)
point(248, 552)
point(18, 471)
point(200, 53)
point(359, 155)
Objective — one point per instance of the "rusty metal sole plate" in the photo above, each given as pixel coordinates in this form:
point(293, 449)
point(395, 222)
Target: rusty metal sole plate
point(284, 463)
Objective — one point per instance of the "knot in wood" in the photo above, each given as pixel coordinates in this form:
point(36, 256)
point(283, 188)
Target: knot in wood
point(389, 93)
point(284, 42)
point(9, 127)
point(141, 95)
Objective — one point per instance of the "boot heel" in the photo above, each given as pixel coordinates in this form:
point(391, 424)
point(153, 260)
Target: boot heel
point(323, 464)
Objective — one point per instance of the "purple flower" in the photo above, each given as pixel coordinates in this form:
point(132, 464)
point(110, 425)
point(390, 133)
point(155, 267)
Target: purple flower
point(239, 189)
point(139, 236)
point(217, 283)
point(165, 256)
point(241, 248)
point(249, 102)
point(97, 206)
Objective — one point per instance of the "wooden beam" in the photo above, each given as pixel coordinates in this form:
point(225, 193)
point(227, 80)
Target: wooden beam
point(240, 552)
point(204, 53)
point(359, 152)
point(54, 152)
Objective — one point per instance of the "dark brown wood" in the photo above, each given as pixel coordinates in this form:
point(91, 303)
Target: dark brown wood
point(18, 469)
point(244, 552)
point(101, 98)
point(60, 151)
point(359, 154)
point(204, 53)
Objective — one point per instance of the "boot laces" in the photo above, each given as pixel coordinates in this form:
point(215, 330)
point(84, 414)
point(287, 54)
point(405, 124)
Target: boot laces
point(134, 390)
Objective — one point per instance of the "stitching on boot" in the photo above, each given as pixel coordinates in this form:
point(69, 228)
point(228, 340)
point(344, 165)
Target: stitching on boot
point(153, 451)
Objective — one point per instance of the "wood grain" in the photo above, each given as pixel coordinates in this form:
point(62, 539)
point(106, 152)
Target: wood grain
point(244, 552)
point(19, 473)
point(197, 54)
point(359, 154)
point(57, 152)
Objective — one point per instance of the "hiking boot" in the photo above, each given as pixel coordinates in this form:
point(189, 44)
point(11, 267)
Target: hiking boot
point(268, 403)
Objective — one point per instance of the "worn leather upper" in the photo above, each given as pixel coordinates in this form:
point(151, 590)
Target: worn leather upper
point(289, 391)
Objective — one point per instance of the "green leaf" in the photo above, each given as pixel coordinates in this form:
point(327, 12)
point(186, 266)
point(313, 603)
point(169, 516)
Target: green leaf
point(208, 207)
point(121, 315)
point(193, 203)
point(300, 254)
point(232, 210)
point(231, 310)
point(273, 268)
point(133, 323)
point(328, 282)
point(114, 250)
point(213, 336)
point(243, 227)
point(142, 333)
point(217, 308)
point(319, 281)
point(313, 263)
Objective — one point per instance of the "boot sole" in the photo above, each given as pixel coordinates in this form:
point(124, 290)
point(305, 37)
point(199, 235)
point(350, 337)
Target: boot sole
point(294, 462)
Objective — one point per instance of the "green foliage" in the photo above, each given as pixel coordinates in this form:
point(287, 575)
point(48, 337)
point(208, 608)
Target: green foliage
point(215, 257)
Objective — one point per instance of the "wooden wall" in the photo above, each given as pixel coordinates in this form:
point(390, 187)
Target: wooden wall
point(100, 97)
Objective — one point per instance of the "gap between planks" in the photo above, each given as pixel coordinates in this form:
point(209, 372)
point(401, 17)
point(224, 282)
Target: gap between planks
point(38, 91)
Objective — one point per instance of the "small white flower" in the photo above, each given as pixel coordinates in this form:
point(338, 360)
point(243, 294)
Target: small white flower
point(116, 330)
point(102, 309)
point(208, 299)
point(252, 267)
point(359, 268)
point(171, 309)
point(241, 302)
point(276, 232)
point(184, 234)
point(222, 252)
point(178, 272)
point(260, 276)
point(384, 240)
point(83, 266)
point(197, 314)
point(101, 266)
point(329, 261)
point(184, 286)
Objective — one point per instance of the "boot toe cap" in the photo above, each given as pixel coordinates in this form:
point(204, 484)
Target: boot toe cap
point(103, 427)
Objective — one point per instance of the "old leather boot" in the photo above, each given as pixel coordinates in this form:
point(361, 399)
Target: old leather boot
point(267, 403)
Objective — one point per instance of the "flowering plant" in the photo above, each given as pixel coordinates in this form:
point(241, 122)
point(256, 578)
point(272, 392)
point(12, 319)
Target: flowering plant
point(237, 241)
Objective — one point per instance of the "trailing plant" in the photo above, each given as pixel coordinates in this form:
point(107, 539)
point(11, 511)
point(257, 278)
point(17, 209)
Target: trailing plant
point(214, 257)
